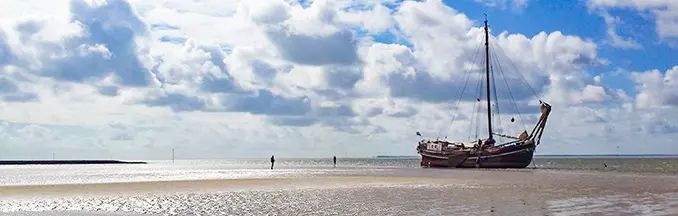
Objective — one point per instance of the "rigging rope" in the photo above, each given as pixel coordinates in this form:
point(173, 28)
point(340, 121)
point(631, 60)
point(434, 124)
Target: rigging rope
point(476, 113)
point(480, 95)
point(474, 120)
point(497, 113)
point(519, 75)
point(467, 74)
point(501, 70)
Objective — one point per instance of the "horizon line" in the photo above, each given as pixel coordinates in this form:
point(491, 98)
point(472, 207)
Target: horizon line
point(350, 157)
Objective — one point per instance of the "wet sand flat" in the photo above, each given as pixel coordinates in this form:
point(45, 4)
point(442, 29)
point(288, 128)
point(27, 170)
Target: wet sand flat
point(373, 192)
point(197, 186)
point(579, 182)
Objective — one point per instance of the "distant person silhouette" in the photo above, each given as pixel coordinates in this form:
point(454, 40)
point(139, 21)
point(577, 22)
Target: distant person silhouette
point(272, 161)
point(335, 161)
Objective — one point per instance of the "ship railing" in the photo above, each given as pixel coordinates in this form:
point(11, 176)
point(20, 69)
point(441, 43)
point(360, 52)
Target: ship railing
point(458, 144)
point(517, 142)
point(506, 136)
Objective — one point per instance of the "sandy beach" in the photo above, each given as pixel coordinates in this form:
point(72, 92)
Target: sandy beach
point(399, 191)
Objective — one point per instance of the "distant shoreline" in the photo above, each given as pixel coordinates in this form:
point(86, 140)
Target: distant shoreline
point(63, 162)
point(395, 156)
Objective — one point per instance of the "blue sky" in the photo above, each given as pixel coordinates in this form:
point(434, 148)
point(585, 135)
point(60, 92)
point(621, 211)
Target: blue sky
point(231, 79)
point(576, 18)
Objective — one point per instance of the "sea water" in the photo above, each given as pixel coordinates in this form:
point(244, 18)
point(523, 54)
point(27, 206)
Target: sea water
point(551, 186)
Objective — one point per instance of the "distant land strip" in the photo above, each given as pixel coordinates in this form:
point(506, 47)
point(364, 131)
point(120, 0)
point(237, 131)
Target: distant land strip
point(396, 156)
point(60, 162)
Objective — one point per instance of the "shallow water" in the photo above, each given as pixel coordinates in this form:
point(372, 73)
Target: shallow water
point(638, 165)
point(237, 169)
point(356, 187)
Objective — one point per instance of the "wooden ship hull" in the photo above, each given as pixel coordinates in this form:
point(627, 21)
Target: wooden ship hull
point(518, 152)
point(514, 157)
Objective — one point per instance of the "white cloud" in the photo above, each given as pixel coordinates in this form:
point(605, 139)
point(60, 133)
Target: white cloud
point(254, 78)
point(665, 13)
point(613, 38)
point(517, 4)
point(657, 89)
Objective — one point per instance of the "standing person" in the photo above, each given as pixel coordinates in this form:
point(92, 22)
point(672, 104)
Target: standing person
point(335, 161)
point(272, 161)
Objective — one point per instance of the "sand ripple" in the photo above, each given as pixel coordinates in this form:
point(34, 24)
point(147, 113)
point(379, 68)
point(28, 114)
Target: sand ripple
point(366, 192)
point(372, 200)
point(627, 204)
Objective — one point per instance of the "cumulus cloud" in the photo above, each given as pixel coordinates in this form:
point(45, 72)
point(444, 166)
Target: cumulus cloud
point(10, 91)
point(100, 39)
point(614, 39)
point(517, 4)
point(6, 55)
point(664, 13)
point(136, 78)
point(657, 89)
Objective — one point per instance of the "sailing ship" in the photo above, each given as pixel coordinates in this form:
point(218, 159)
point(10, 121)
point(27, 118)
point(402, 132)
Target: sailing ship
point(510, 152)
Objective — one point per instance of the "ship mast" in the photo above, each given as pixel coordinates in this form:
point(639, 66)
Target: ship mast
point(487, 83)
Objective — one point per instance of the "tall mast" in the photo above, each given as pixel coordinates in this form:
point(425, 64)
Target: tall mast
point(487, 83)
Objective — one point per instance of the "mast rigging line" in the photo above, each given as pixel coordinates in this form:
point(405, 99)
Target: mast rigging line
point(489, 73)
point(515, 70)
point(467, 75)
point(476, 112)
point(496, 113)
point(508, 88)
point(475, 117)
